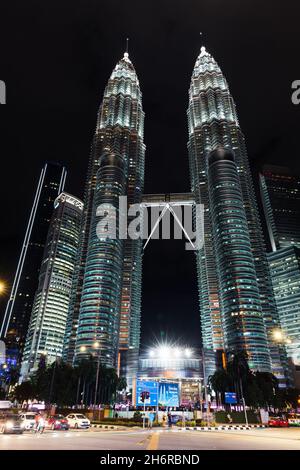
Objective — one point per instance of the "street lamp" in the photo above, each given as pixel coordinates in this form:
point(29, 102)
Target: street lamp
point(53, 375)
point(3, 288)
point(97, 346)
point(278, 336)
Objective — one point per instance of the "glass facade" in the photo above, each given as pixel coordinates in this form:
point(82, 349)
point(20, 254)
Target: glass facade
point(280, 192)
point(241, 314)
point(99, 315)
point(213, 123)
point(18, 310)
point(50, 308)
point(119, 131)
point(285, 272)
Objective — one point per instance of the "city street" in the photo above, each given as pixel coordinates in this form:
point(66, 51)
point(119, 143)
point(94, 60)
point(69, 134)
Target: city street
point(257, 439)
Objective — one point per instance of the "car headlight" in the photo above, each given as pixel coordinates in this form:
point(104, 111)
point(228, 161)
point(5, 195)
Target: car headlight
point(9, 425)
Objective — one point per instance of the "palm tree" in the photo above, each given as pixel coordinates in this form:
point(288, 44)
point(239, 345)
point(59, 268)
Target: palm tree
point(239, 370)
point(220, 382)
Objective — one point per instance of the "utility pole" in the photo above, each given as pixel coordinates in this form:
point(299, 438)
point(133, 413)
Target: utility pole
point(243, 401)
point(52, 378)
point(204, 382)
point(97, 381)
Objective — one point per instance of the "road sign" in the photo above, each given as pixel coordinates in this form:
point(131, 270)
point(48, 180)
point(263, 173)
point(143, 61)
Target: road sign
point(150, 399)
point(230, 398)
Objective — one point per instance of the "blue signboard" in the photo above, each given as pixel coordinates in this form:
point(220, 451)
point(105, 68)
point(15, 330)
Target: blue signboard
point(146, 386)
point(168, 394)
point(230, 398)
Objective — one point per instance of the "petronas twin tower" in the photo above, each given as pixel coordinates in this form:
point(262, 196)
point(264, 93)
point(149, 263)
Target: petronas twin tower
point(237, 310)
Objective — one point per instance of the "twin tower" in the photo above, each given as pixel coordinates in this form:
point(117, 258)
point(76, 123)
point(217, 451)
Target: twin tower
point(237, 309)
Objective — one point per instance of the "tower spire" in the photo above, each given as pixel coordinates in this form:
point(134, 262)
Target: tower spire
point(127, 44)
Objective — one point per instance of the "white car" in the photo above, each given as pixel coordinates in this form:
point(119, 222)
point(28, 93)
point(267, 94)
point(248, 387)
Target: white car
point(78, 421)
point(28, 420)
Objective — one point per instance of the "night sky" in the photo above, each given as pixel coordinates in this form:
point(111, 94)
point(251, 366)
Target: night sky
point(56, 57)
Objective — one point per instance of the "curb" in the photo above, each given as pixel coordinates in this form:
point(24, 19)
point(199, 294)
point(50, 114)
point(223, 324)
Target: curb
point(106, 426)
point(223, 428)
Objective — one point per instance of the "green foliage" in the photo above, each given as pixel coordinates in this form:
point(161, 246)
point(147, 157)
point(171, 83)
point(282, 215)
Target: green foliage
point(187, 423)
point(24, 391)
point(63, 384)
point(238, 417)
point(259, 389)
point(137, 416)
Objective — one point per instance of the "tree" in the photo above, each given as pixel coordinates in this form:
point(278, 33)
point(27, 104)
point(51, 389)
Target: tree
point(220, 382)
point(268, 385)
point(24, 391)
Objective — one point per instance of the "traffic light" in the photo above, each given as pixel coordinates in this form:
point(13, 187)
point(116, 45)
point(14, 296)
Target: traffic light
point(145, 395)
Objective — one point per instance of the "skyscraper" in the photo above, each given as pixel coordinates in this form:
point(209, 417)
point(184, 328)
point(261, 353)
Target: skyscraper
point(285, 273)
point(280, 193)
point(17, 314)
point(119, 135)
point(50, 308)
point(242, 319)
point(213, 123)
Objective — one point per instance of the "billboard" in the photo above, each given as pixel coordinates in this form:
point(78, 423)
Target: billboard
point(230, 398)
point(146, 386)
point(168, 394)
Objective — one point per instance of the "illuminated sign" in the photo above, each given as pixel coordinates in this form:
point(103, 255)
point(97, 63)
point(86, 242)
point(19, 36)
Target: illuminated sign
point(64, 197)
point(146, 386)
point(168, 394)
point(230, 398)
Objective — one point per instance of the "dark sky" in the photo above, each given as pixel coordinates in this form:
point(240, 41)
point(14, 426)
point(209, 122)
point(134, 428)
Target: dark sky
point(56, 57)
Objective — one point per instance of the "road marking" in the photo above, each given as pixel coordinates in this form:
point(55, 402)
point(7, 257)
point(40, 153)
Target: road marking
point(153, 443)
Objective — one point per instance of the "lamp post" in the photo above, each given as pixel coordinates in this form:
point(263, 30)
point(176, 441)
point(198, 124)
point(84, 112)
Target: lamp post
point(3, 288)
point(97, 346)
point(52, 378)
point(205, 384)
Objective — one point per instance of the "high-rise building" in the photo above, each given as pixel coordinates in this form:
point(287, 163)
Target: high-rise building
point(280, 193)
point(18, 310)
point(117, 145)
point(285, 274)
point(242, 318)
point(51, 303)
point(213, 123)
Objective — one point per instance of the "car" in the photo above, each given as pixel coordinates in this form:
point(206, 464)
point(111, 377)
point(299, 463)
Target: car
point(11, 424)
point(56, 422)
point(28, 420)
point(294, 419)
point(278, 422)
point(78, 421)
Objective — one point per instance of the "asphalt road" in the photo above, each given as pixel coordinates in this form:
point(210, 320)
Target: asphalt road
point(258, 439)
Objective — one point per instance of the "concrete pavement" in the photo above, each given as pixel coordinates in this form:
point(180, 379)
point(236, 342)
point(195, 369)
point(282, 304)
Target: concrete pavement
point(257, 439)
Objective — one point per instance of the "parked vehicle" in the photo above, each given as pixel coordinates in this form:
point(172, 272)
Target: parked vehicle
point(278, 422)
point(28, 420)
point(78, 421)
point(11, 424)
point(5, 404)
point(57, 422)
point(294, 419)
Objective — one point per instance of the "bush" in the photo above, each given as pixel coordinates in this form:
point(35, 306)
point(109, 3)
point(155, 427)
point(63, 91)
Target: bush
point(202, 423)
point(238, 417)
point(187, 423)
point(137, 416)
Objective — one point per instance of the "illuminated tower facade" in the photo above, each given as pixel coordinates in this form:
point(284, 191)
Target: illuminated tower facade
point(116, 167)
point(213, 124)
point(47, 324)
point(280, 194)
point(18, 310)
